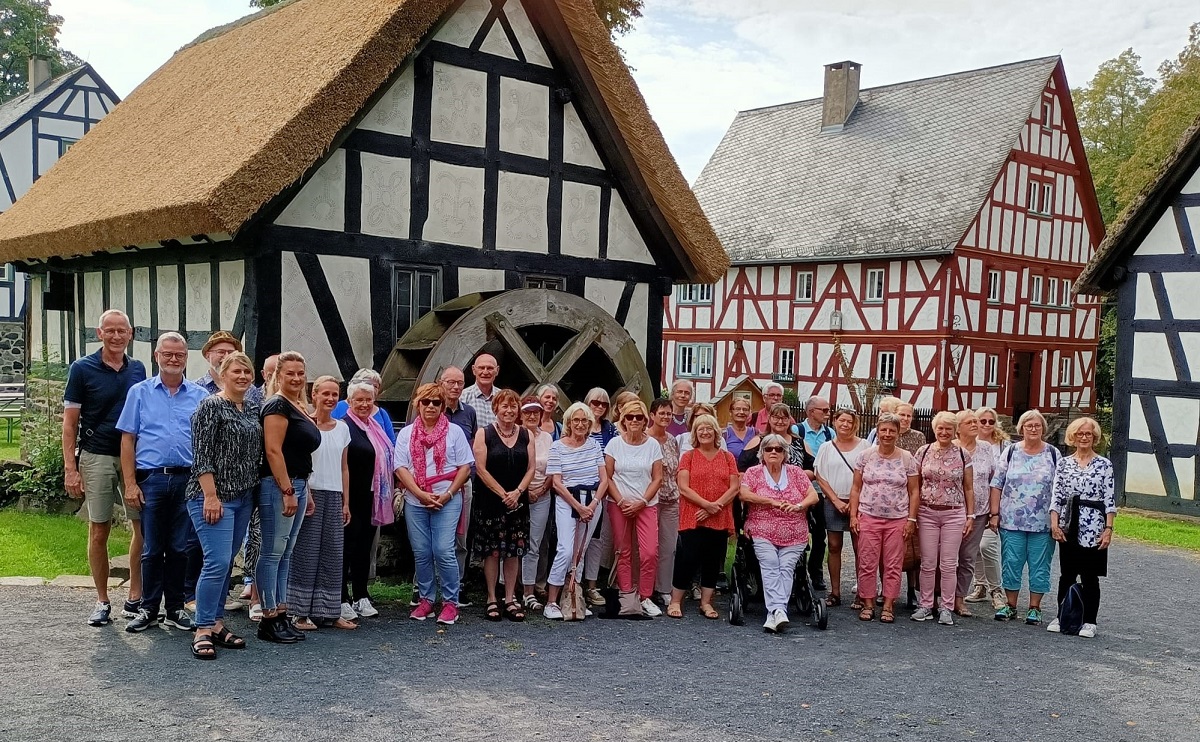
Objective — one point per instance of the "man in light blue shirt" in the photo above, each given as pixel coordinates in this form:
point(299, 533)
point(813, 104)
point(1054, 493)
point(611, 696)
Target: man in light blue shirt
point(156, 461)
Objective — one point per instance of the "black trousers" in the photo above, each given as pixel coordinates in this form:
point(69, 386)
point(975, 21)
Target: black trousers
point(356, 548)
point(816, 540)
point(702, 548)
point(1086, 566)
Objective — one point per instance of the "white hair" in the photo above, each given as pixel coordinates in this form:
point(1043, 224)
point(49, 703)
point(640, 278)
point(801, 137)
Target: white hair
point(773, 385)
point(112, 313)
point(171, 336)
point(357, 385)
point(685, 382)
point(369, 375)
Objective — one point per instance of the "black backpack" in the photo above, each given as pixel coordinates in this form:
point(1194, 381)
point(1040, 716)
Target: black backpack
point(1070, 613)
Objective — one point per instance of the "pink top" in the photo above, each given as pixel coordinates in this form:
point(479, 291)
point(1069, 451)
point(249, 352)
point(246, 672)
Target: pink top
point(770, 523)
point(942, 473)
point(884, 492)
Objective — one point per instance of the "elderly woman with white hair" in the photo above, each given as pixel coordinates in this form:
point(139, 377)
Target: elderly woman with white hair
point(1020, 508)
point(983, 461)
point(1082, 510)
point(372, 377)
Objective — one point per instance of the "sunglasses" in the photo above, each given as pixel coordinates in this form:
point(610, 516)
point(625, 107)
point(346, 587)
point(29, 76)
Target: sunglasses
point(821, 409)
point(773, 449)
point(987, 422)
point(431, 402)
point(635, 418)
point(598, 403)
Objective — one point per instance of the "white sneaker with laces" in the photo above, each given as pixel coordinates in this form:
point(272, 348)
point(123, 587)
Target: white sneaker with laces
point(772, 622)
point(922, 614)
point(348, 612)
point(1052, 627)
point(945, 617)
point(552, 612)
point(781, 619)
point(650, 609)
point(1088, 631)
point(364, 608)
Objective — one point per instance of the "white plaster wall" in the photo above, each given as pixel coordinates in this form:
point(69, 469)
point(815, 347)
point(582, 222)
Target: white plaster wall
point(581, 220)
point(524, 117)
point(197, 293)
point(321, 202)
point(168, 296)
point(386, 195)
point(460, 28)
point(301, 327)
point(521, 213)
point(624, 240)
point(232, 276)
point(578, 147)
point(1163, 239)
point(455, 205)
point(474, 280)
point(1152, 357)
point(535, 53)
point(459, 111)
point(1142, 475)
point(638, 317)
point(47, 155)
point(60, 128)
point(350, 281)
point(1182, 290)
point(393, 113)
point(1145, 305)
point(496, 42)
point(15, 149)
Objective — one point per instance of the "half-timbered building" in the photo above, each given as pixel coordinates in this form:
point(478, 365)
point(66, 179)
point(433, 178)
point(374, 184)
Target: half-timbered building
point(919, 239)
point(327, 173)
point(1149, 262)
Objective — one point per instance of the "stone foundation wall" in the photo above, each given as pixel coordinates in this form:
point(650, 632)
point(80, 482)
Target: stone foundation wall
point(12, 352)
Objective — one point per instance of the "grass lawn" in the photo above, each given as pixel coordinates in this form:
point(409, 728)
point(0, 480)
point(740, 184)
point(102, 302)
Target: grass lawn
point(1158, 531)
point(10, 451)
point(391, 592)
point(34, 545)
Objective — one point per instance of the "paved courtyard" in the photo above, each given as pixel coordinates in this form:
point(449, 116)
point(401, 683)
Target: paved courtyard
point(396, 679)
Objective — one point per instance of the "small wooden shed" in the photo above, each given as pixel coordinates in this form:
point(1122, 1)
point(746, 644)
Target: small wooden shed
point(743, 387)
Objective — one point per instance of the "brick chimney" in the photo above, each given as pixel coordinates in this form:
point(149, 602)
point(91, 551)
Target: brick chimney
point(841, 94)
point(39, 72)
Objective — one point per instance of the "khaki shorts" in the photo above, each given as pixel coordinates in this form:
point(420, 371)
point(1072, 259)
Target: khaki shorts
point(103, 488)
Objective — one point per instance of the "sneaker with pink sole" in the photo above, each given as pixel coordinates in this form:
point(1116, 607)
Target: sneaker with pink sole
point(448, 615)
point(423, 610)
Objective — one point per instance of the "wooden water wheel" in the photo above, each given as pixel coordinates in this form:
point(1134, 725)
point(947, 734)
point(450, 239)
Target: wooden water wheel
point(539, 336)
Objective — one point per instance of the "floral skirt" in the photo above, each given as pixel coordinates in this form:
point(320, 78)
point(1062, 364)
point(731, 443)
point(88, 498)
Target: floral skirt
point(500, 533)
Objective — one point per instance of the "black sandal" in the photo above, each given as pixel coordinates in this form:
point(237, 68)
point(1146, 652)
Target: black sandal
point(833, 600)
point(228, 639)
point(492, 611)
point(514, 611)
point(202, 647)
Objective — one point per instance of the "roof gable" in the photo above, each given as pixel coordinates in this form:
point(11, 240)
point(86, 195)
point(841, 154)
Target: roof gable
point(237, 117)
point(14, 111)
point(906, 175)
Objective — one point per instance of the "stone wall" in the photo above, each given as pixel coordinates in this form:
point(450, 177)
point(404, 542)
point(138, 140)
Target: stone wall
point(12, 352)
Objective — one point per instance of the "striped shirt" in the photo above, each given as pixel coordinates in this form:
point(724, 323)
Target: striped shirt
point(580, 466)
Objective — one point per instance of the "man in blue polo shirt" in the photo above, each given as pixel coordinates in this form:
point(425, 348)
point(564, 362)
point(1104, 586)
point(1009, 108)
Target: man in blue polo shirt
point(96, 389)
point(156, 459)
point(816, 434)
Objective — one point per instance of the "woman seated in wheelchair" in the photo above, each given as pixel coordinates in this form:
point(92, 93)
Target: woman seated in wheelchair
point(777, 497)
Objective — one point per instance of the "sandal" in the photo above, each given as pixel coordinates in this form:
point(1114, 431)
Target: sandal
point(709, 612)
point(965, 612)
point(857, 605)
point(492, 611)
point(675, 610)
point(887, 616)
point(343, 624)
point(203, 648)
point(866, 613)
point(513, 610)
point(305, 624)
point(834, 599)
point(532, 604)
point(228, 639)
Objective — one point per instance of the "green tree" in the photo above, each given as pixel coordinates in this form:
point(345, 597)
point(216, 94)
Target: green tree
point(28, 27)
point(1170, 111)
point(1112, 115)
point(618, 15)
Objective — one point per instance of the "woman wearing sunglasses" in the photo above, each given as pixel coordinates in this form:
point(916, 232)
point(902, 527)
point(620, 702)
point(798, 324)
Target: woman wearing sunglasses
point(433, 461)
point(634, 464)
point(987, 580)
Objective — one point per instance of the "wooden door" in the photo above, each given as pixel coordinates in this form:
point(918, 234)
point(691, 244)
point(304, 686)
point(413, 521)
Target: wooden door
point(1020, 383)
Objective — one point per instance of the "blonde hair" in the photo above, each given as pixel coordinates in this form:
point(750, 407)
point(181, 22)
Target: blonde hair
point(570, 413)
point(632, 407)
point(235, 357)
point(999, 433)
point(711, 422)
point(622, 399)
point(888, 404)
point(326, 378)
point(948, 418)
point(1077, 424)
point(272, 384)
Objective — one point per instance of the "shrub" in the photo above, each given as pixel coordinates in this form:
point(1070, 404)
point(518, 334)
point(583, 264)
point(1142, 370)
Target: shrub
point(41, 483)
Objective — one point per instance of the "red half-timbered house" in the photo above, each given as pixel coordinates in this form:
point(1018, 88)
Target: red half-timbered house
point(919, 238)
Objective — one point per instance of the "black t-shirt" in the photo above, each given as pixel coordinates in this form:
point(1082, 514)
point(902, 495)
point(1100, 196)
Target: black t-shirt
point(360, 459)
point(301, 439)
point(100, 392)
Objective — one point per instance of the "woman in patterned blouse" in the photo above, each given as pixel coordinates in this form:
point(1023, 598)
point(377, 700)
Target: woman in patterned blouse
point(1020, 508)
point(1082, 510)
point(987, 580)
point(983, 461)
point(910, 440)
point(944, 517)
point(227, 443)
point(668, 497)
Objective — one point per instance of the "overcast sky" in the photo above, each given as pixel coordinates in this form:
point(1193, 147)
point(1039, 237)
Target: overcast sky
point(698, 62)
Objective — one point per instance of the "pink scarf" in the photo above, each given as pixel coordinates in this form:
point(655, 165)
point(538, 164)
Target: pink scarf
point(381, 483)
point(424, 439)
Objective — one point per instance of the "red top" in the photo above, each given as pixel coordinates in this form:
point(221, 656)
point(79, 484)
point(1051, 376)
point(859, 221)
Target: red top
point(710, 480)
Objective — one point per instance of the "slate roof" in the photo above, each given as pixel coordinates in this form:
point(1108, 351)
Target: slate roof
point(906, 176)
point(13, 109)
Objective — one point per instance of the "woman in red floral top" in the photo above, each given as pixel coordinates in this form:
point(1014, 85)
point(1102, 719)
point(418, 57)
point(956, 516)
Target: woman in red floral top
point(778, 496)
point(708, 482)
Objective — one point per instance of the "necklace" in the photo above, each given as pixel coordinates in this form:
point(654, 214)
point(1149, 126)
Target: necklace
point(510, 434)
point(679, 419)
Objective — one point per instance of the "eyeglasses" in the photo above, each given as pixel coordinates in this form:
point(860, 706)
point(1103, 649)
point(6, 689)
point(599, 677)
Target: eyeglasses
point(987, 422)
point(166, 356)
point(821, 409)
point(580, 421)
point(431, 402)
point(451, 384)
point(635, 418)
point(781, 417)
point(773, 449)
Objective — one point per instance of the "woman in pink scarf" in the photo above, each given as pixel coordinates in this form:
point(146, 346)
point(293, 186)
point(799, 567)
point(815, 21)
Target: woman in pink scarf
point(369, 459)
point(433, 460)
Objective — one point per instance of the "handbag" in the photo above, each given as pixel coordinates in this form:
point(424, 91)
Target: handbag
point(618, 604)
point(573, 606)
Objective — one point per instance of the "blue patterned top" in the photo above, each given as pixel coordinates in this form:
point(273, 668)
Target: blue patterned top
point(1093, 482)
point(1025, 482)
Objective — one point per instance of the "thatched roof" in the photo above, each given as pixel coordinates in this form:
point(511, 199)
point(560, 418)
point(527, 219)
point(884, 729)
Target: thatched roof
point(236, 117)
point(1141, 215)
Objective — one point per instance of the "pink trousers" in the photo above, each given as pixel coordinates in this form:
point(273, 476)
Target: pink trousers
point(880, 543)
point(645, 523)
point(941, 537)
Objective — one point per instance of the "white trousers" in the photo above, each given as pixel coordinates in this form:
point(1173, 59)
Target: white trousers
point(563, 557)
point(778, 565)
point(539, 515)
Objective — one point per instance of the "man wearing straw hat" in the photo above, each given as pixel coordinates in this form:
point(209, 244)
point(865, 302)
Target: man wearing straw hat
point(220, 344)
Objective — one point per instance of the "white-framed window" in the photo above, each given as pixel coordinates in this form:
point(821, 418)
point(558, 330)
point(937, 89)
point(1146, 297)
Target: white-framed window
point(415, 292)
point(804, 285)
point(1052, 292)
point(994, 285)
point(786, 370)
point(1035, 289)
point(993, 370)
point(886, 366)
point(694, 293)
point(1047, 198)
point(1039, 197)
point(1032, 194)
point(1067, 288)
point(64, 145)
point(1047, 113)
point(1066, 376)
point(875, 283)
point(694, 360)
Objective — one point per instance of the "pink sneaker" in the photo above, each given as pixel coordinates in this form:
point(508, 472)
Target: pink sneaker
point(423, 610)
point(449, 614)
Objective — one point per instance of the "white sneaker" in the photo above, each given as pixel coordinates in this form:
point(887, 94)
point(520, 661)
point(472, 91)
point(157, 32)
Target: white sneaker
point(587, 613)
point(1052, 627)
point(1088, 631)
point(665, 598)
point(348, 612)
point(650, 609)
point(945, 617)
point(772, 623)
point(922, 614)
point(781, 620)
point(552, 612)
point(364, 608)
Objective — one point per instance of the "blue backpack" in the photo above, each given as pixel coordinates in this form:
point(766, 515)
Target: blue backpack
point(1070, 613)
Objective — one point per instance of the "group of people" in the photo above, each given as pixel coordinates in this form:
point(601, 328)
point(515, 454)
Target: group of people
point(299, 481)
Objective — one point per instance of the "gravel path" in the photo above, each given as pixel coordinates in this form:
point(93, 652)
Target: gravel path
point(692, 679)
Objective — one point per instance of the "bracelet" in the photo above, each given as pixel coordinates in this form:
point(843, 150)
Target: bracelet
point(994, 515)
point(1107, 528)
point(289, 492)
point(912, 520)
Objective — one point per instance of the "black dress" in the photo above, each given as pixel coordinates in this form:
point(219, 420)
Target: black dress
point(360, 534)
point(499, 531)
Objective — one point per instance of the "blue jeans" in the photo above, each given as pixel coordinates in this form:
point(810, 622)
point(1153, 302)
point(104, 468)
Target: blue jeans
point(219, 541)
point(431, 534)
point(1018, 548)
point(278, 540)
point(165, 529)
